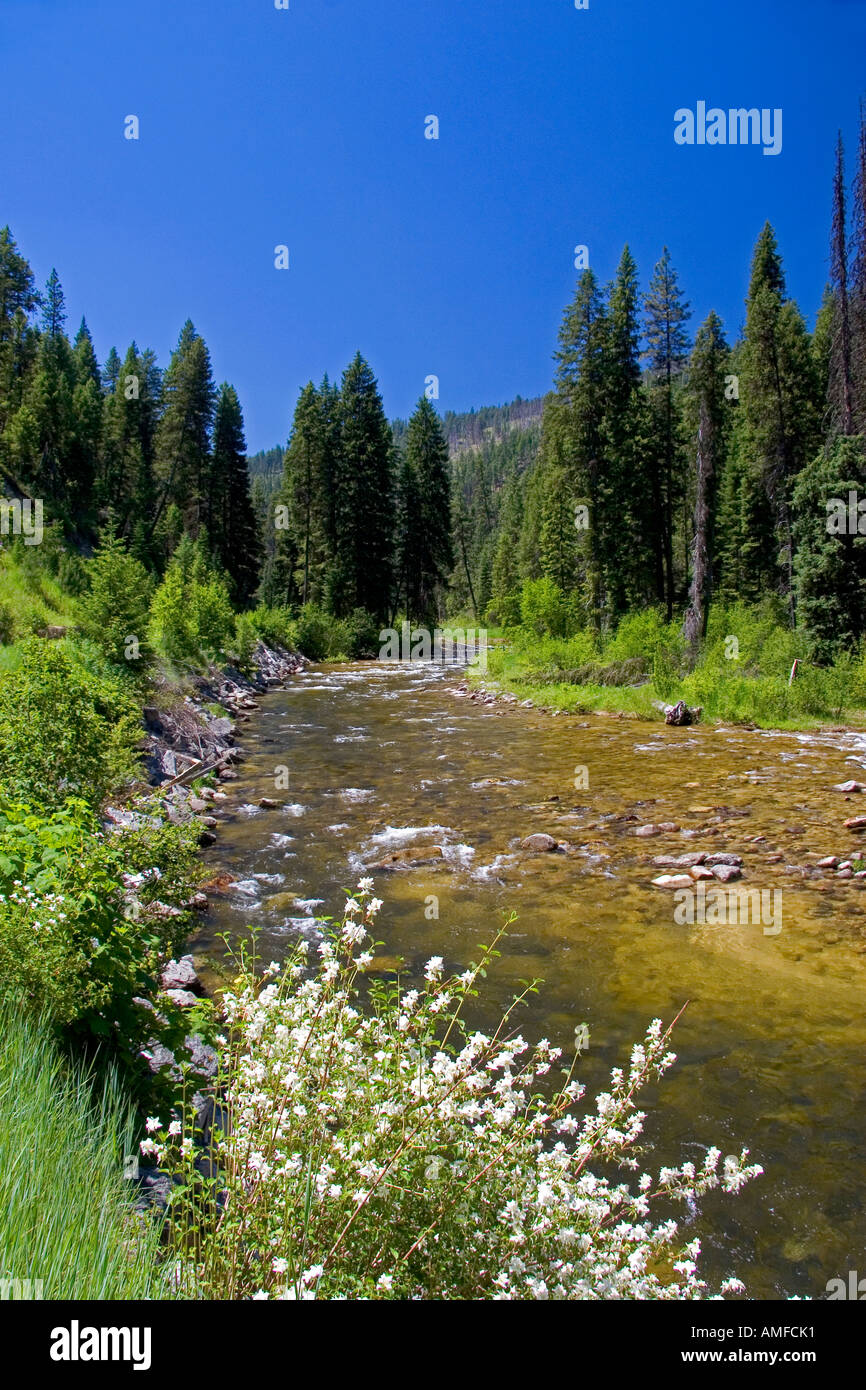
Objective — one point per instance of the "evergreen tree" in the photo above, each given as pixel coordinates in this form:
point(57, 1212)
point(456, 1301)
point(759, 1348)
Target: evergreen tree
point(233, 532)
point(432, 555)
point(857, 308)
point(779, 394)
point(840, 403)
point(574, 422)
point(182, 444)
point(111, 371)
point(360, 575)
point(831, 564)
point(706, 390)
point(18, 340)
point(53, 307)
point(667, 348)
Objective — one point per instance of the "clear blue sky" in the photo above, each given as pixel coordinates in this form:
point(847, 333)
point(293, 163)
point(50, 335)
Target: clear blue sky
point(306, 127)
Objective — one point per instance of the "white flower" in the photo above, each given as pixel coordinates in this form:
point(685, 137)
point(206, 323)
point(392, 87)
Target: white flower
point(385, 1282)
point(175, 1128)
point(152, 1124)
point(434, 968)
point(279, 1266)
point(365, 885)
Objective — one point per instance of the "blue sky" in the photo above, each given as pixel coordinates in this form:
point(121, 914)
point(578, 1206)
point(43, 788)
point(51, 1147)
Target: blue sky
point(453, 257)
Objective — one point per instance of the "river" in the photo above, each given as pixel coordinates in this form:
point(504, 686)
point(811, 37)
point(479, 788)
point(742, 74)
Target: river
point(771, 1047)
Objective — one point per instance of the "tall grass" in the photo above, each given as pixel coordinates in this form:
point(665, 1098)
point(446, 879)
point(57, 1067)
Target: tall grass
point(65, 1213)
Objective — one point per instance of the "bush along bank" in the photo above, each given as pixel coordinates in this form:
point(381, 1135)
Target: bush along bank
point(99, 833)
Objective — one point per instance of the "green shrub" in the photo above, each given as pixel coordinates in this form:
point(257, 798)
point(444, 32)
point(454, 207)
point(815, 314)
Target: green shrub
point(7, 622)
point(544, 608)
point(71, 945)
point(314, 632)
point(63, 731)
point(115, 608)
point(191, 613)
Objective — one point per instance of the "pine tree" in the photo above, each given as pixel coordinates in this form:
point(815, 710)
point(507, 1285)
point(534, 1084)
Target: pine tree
point(779, 394)
point(667, 348)
point(840, 405)
point(233, 531)
point(574, 420)
point(831, 568)
point(18, 340)
point(182, 445)
point(433, 555)
point(706, 391)
point(623, 486)
point(857, 308)
point(111, 371)
point(360, 575)
point(53, 307)
point(307, 490)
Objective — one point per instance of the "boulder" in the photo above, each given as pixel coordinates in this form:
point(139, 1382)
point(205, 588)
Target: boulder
point(539, 843)
point(726, 873)
point(680, 714)
point(180, 974)
point(183, 998)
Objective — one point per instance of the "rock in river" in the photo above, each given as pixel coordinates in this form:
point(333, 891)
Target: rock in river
point(539, 843)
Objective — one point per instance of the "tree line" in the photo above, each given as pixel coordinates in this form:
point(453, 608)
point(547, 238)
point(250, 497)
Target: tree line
point(663, 469)
point(673, 470)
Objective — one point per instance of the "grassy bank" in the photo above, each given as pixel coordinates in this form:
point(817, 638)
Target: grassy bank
point(742, 673)
point(65, 1214)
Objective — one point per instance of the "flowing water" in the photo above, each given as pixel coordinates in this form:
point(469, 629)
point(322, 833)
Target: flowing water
point(771, 1046)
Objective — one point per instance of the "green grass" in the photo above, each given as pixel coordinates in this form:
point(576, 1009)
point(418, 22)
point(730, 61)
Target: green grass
point(558, 673)
point(29, 599)
point(65, 1217)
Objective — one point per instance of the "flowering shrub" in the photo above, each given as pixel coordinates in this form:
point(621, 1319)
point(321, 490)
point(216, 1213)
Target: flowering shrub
point(389, 1152)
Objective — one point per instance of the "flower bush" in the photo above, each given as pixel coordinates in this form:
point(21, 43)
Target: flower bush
point(378, 1148)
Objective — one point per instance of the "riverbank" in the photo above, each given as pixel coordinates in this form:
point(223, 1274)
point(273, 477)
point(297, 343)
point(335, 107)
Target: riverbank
point(814, 699)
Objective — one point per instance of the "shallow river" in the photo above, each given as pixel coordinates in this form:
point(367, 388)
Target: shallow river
point(772, 1045)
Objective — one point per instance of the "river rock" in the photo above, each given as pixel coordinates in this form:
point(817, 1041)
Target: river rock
point(280, 902)
point(539, 843)
point(267, 803)
point(180, 974)
point(831, 862)
point(163, 910)
point(850, 787)
point(227, 774)
point(197, 804)
point(183, 998)
point(844, 873)
point(674, 881)
point(726, 873)
point(206, 839)
point(735, 860)
point(856, 823)
point(698, 872)
point(197, 903)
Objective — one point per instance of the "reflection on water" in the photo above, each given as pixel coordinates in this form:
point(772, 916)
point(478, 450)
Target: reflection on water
point(386, 763)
